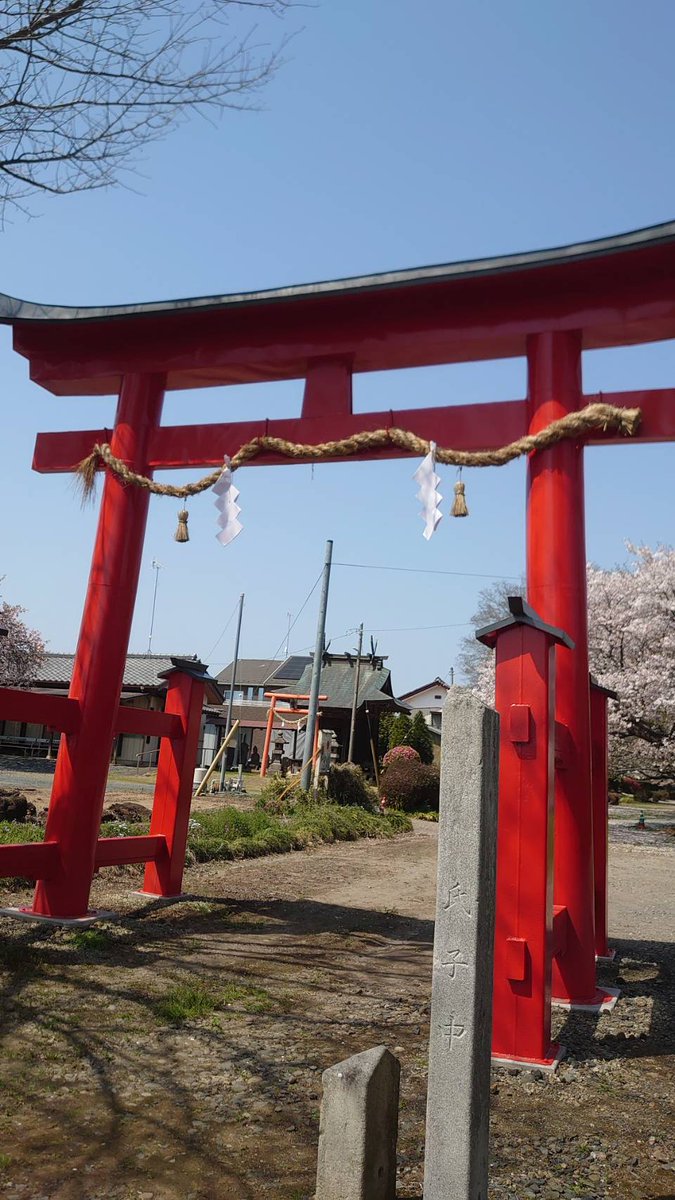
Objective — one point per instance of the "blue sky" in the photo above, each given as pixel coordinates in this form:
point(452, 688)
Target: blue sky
point(396, 135)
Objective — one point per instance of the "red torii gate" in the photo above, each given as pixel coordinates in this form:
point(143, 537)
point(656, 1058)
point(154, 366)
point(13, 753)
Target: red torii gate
point(547, 305)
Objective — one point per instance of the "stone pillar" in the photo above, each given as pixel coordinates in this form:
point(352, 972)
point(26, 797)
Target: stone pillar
point(458, 1102)
point(359, 1127)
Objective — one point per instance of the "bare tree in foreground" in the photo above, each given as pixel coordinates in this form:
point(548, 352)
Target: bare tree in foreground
point(85, 84)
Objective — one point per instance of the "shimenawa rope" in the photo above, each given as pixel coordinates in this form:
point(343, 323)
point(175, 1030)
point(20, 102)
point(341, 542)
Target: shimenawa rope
point(572, 426)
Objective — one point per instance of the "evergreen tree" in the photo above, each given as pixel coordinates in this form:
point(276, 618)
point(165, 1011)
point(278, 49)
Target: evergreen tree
point(420, 739)
point(383, 731)
point(399, 731)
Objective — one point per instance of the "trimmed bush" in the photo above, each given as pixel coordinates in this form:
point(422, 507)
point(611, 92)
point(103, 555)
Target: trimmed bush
point(400, 754)
point(348, 785)
point(410, 787)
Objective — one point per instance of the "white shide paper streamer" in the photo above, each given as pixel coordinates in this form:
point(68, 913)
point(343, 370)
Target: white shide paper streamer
point(226, 503)
point(428, 481)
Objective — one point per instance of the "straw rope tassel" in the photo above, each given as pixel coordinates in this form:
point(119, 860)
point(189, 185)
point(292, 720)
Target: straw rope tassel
point(182, 533)
point(459, 507)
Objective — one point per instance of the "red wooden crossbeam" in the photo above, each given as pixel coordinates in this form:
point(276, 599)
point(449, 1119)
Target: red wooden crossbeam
point(120, 851)
point(39, 860)
point(63, 713)
point(34, 860)
point(462, 427)
point(148, 724)
point(58, 712)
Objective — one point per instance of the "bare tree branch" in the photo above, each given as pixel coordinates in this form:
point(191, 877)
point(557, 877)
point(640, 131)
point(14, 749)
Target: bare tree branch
point(85, 84)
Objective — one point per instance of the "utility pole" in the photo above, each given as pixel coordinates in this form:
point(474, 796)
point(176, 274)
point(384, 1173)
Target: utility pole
point(355, 699)
point(314, 687)
point(452, 677)
point(156, 566)
point(228, 722)
point(288, 635)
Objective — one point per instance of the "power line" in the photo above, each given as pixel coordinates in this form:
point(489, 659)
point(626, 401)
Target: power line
point(336, 637)
point(420, 628)
point(222, 635)
point(304, 605)
point(423, 571)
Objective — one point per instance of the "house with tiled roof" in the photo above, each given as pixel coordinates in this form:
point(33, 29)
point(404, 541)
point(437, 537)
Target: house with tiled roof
point(428, 699)
point(143, 686)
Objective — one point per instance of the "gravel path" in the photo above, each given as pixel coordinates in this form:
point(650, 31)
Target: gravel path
point(314, 956)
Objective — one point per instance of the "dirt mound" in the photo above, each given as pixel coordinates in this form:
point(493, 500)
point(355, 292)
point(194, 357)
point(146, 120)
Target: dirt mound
point(15, 807)
point(127, 811)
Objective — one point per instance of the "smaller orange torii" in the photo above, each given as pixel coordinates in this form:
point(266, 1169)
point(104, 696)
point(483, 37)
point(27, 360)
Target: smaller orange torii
point(293, 711)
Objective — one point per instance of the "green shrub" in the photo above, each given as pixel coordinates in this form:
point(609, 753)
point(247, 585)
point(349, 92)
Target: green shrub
point(421, 740)
point(348, 785)
point(279, 796)
point(410, 786)
point(398, 822)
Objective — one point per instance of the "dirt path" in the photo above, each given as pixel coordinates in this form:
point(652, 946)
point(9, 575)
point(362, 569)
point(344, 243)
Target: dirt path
point(306, 958)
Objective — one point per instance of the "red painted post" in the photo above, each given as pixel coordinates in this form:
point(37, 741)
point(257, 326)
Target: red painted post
point(173, 790)
point(599, 699)
point(524, 699)
point(82, 764)
point(556, 588)
point(268, 737)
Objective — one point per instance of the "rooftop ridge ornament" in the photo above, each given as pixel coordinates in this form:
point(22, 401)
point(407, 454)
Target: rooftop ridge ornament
point(573, 426)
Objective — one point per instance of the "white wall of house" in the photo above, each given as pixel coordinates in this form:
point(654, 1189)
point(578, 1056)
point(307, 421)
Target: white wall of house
point(429, 702)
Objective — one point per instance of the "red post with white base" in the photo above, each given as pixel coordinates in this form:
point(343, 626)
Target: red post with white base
point(82, 764)
point(599, 699)
point(524, 926)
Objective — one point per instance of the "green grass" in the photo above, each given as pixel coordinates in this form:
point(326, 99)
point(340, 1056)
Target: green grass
point(227, 833)
point(187, 1002)
point(195, 1000)
point(5, 1161)
point(251, 999)
point(90, 939)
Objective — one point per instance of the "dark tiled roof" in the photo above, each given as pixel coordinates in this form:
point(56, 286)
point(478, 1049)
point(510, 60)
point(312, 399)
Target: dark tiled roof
point(271, 673)
point(142, 671)
point(337, 683)
point(437, 682)
point(251, 672)
point(291, 670)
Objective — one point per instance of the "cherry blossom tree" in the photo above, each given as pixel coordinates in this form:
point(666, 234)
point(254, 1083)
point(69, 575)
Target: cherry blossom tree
point(21, 648)
point(631, 620)
point(632, 650)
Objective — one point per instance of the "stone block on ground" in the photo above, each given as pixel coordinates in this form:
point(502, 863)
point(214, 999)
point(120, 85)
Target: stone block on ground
point(359, 1127)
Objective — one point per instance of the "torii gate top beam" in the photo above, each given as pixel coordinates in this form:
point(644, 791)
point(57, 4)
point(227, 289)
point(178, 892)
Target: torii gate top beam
point(615, 291)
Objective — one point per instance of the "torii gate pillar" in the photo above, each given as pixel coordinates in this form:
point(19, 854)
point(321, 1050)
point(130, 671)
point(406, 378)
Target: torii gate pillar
point(556, 589)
